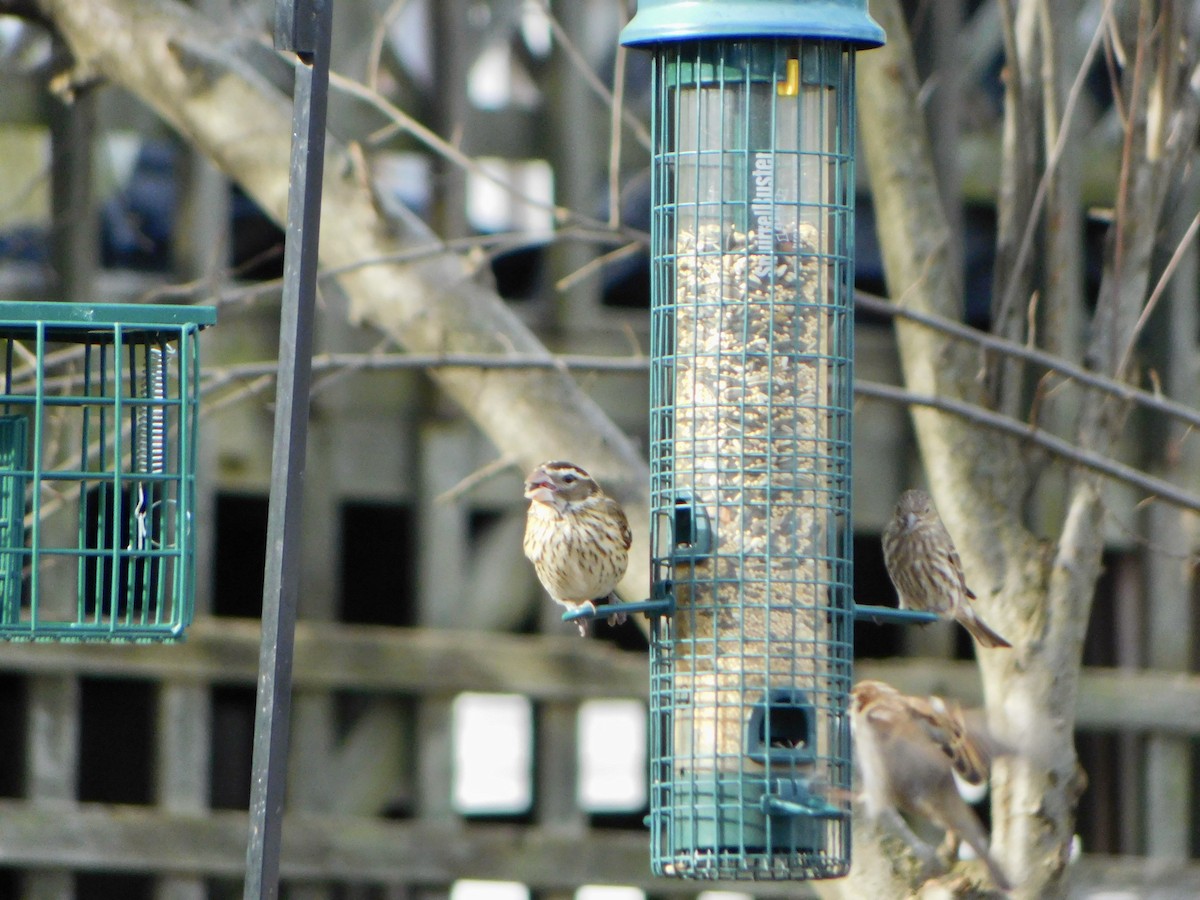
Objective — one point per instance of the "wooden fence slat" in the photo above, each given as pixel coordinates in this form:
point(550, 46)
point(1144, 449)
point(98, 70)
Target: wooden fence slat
point(336, 848)
point(51, 770)
point(1134, 876)
point(362, 850)
point(183, 738)
point(425, 661)
point(224, 651)
point(371, 761)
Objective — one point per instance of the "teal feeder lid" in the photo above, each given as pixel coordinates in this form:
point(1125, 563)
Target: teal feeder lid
point(678, 20)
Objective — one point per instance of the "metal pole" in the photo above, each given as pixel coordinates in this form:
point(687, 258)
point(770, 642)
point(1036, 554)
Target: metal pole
point(302, 26)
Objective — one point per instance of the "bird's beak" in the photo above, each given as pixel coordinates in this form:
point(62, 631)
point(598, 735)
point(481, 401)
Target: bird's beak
point(539, 487)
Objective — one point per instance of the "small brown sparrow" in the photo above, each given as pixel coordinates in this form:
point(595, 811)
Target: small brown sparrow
point(925, 568)
point(907, 749)
point(576, 536)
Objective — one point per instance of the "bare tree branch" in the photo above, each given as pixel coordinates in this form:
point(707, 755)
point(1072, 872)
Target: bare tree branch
point(1061, 448)
point(1009, 298)
point(611, 99)
point(1097, 462)
point(1157, 293)
point(1122, 390)
point(194, 77)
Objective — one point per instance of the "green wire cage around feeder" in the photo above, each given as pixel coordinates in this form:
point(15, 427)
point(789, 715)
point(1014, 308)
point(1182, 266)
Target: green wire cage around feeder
point(751, 389)
point(97, 470)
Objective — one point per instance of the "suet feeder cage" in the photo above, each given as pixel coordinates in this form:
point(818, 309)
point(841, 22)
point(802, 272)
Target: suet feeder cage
point(751, 389)
point(97, 470)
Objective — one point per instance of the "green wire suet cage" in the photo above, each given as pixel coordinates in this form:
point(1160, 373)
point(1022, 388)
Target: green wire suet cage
point(97, 470)
point(751, 390)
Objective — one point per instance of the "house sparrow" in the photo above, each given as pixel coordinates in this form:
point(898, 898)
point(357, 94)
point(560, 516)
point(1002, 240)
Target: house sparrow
point(907, 749)
point(925, 568)
point(576, 536)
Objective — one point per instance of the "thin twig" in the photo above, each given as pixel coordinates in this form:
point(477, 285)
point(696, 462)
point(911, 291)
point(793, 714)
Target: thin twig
point(378, 37)
point(374, 362)
point(971, 412)
point(568, 281)
point(336, 375)
point(499, 242)
point(590, 78)
point(1125, 187)
point(1157, 293)
point(256, 386)
point(216, 378)
point(1060, 145)
point(404, 122)
point(614, 141)
point(991, 342)
point(481, 474)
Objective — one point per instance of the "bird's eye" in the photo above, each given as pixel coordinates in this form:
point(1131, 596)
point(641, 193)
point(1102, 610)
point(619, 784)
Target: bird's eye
point(569, 478)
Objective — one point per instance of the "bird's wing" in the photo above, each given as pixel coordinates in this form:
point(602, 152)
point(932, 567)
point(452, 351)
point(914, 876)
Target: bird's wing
point(956, 566)
point(626, 534)
point(945, 724)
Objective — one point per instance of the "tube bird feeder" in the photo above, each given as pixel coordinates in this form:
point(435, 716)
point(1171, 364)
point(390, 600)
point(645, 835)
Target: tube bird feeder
point(751, 390)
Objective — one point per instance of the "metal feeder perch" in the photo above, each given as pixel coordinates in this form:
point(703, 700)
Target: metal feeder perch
point(97, 470)
point(751, 391)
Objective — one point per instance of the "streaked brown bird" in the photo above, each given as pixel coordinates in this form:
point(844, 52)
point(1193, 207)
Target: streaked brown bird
point(576, 536)
point(907, 749)
point(925, 568)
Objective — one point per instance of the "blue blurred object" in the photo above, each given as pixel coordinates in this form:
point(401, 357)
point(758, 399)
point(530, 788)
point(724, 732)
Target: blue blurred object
point(136, 222)
point(25, 243)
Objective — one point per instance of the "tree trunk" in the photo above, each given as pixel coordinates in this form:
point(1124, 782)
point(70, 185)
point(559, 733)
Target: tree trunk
point(978, 487)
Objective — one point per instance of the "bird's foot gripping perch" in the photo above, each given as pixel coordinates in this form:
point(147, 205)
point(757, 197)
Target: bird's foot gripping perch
point(616, 611)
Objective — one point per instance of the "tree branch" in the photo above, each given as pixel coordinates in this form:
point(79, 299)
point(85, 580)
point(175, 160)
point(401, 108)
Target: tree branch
point(1029, 231)
point(599, 88)
point(970, 412)
point(1122, 390)
point(1065, 450)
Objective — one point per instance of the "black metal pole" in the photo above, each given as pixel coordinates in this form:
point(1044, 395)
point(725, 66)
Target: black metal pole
point(303, 26)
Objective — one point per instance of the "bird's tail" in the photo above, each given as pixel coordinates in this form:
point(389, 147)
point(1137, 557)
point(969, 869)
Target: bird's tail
point(980, 630)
